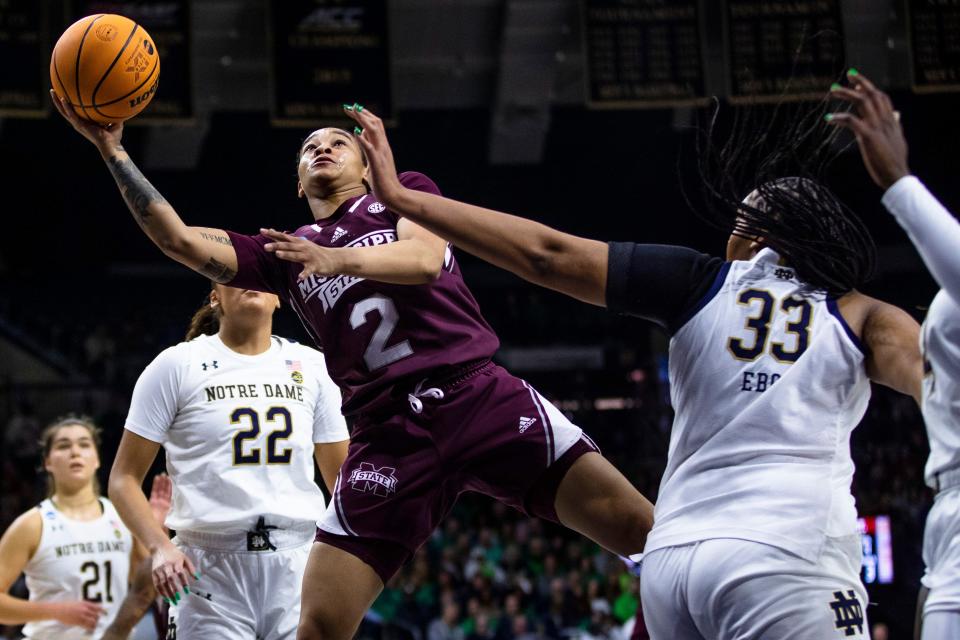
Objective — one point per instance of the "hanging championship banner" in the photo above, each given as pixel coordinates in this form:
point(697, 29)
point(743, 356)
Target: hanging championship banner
point(778, 50)
point(325, 53)
point(24, 70)
point(168, 23)
point(934, 54)
point(643, 52)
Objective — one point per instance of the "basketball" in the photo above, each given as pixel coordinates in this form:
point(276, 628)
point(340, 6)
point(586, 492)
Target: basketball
point(106, 66)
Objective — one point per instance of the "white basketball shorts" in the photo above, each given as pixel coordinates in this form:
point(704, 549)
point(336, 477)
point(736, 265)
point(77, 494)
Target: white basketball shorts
point(241, 594)
point(742, 590)
point(941, 553)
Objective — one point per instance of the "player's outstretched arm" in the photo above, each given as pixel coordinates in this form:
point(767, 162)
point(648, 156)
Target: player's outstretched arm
point(142, 592)
point(535, 252)
point(17, 546)
point(876, 125)
point(207, 251)
point(415, 258)
point(172, 571)
point(892, 341)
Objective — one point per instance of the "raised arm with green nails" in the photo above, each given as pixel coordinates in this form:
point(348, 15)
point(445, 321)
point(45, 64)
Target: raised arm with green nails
point(535, 252)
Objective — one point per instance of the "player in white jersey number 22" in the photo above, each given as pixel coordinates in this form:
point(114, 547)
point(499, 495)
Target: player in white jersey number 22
point(242, 415)
point(754, 532)
point(936, 234)
point(73, 548)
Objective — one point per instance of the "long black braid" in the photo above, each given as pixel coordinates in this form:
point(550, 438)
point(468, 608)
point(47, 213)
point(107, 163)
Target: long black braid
point(780, 154)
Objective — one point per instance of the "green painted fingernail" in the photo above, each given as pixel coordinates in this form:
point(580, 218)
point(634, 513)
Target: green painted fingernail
point(835, 86)
point(852, 72)
point(197, 575)
point(176, 597)
point(348, 107)
point(828, 117)
point(359, 107)
point(167, 600)
point(357, 131)
point(186, 590)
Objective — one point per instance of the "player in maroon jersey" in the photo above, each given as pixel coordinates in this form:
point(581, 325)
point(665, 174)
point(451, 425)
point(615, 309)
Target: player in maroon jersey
point(403, 338)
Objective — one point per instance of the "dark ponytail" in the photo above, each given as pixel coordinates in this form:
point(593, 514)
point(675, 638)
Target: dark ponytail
point(205, 322)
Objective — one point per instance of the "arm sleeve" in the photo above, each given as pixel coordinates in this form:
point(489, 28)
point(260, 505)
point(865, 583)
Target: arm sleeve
point(328, 422)
point(156, 395)
point(664, 284)
point(934, 231)
point(256, 268)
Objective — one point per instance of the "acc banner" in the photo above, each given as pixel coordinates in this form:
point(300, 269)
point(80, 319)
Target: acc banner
point(24, 58)
point(643, 52)
point(168, 23)
point(326, 53)
point(778, 50)
point(935, 45)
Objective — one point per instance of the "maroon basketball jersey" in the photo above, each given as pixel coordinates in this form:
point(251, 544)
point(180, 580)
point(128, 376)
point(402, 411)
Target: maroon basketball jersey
point(373, 334)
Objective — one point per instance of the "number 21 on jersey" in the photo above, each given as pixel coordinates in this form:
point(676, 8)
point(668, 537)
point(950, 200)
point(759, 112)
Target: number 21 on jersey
point(797, 314)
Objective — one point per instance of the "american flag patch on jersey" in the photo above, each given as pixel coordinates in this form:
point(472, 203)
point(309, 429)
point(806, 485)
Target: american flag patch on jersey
point(293, 365)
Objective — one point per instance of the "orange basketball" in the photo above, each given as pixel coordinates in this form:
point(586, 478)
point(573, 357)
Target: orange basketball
point(106, 66)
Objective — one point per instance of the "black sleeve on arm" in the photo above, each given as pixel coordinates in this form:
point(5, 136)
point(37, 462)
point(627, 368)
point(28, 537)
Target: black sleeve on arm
point(661, 283)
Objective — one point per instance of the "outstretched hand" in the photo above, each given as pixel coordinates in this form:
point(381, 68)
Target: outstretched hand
point(316, 260)
point(383, 172)
point(103, 136)
point(876, 126)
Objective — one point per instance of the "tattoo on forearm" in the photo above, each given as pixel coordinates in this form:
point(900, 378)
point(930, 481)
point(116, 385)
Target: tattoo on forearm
point(217, 271)
point(136, 189)
point(218, 239)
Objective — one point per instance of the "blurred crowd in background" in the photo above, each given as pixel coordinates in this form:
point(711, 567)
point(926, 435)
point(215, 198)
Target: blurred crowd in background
point(488, 572)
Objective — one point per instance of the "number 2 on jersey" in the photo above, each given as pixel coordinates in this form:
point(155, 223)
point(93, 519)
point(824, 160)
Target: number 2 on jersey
point(799, 314)
point(251, 433)
point(378, 354)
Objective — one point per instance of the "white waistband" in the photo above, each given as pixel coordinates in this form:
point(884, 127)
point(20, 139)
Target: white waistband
point(943, 480)
point(237, 541)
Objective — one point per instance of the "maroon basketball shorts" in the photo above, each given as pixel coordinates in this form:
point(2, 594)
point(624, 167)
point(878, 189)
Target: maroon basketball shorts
point(484, 430)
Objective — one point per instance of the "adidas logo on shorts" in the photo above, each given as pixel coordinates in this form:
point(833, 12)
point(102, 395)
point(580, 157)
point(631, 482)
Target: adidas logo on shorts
point(525, 423)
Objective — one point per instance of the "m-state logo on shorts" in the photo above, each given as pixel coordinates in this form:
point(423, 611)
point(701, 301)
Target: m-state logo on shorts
point(367, 478)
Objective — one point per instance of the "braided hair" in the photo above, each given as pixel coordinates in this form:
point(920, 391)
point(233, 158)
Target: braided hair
point(779, 156)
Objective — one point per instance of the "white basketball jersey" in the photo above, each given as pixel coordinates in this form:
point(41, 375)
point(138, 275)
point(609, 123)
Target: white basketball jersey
point(940, 344)
point(238, 431)
point(78, 560)
point(768, 383)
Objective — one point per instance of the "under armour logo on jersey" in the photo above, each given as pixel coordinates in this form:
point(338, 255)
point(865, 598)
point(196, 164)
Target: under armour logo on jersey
point(338, 233)
point(848, 612)
point(211, 365)
point(526, 423)
point(380, 482)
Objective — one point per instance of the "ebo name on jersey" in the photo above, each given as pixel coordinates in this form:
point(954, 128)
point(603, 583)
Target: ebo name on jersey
point(101, 546)
point(234, 391)
point(758, 381)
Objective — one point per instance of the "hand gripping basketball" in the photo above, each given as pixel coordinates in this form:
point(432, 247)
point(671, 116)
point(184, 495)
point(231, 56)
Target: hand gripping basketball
point(106, 67)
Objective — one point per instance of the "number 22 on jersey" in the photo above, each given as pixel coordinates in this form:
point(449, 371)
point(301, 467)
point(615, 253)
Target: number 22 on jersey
point(795, 312)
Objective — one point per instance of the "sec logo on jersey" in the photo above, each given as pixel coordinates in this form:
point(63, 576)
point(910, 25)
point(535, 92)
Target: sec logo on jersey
point(376, 207)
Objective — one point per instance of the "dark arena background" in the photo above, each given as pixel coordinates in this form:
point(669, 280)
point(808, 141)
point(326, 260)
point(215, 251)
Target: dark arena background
point(579, 114)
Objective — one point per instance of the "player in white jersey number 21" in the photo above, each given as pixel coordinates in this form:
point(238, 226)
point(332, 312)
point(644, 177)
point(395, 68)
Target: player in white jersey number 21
point(242, 415)
point(936, 234)
point(771, 354)
point(74, 550)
